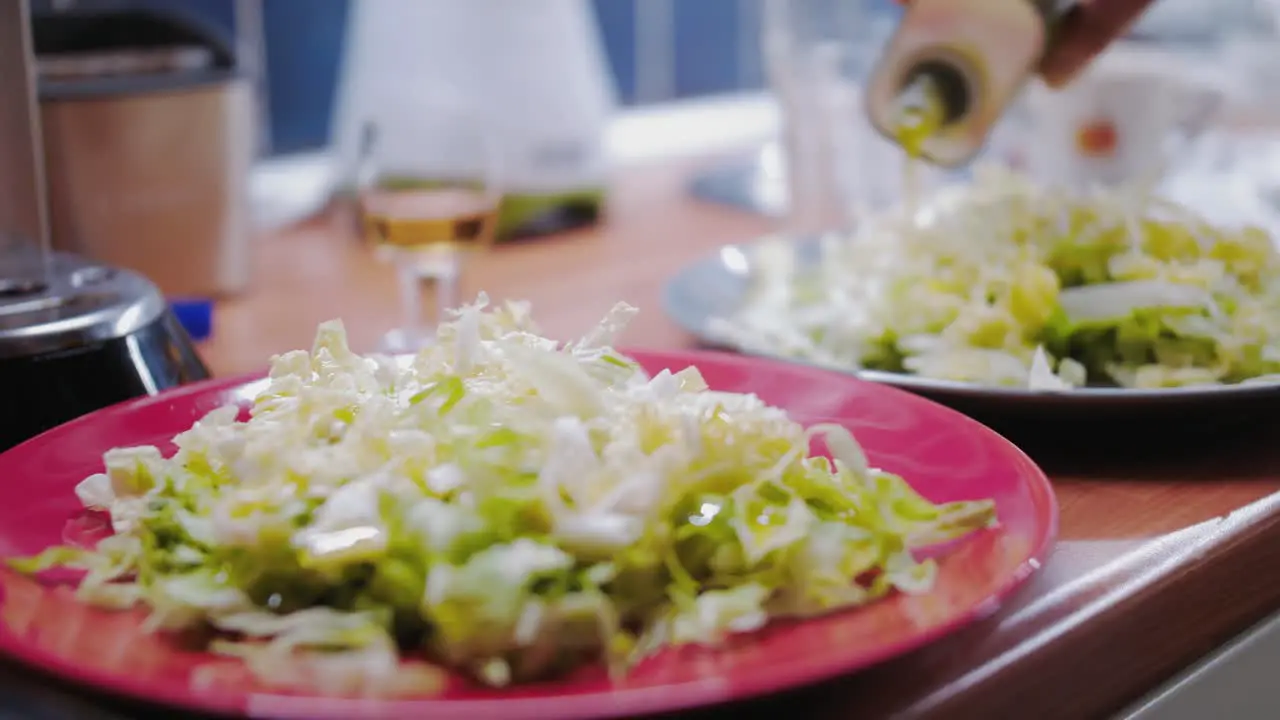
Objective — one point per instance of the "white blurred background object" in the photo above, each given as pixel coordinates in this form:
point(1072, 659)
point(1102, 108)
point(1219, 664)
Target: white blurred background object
point(1234, 39)
point(547, 96)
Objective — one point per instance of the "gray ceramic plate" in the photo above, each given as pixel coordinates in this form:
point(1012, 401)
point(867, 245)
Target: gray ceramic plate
point(716, 286)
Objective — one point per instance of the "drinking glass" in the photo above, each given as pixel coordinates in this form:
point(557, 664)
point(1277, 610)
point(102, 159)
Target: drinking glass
point(428, 195)
point(818, 55)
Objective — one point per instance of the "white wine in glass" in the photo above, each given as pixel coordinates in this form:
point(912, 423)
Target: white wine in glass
point(439, 219)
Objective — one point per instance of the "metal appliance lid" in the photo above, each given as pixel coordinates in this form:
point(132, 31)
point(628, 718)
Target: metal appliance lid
point(79, 304)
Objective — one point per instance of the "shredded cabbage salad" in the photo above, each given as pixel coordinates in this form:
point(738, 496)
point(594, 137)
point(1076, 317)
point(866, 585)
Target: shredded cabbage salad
point(1008, 283)
point(501, 505)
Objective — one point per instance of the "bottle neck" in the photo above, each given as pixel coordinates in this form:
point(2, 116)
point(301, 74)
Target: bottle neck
point(976, 55)
point(938, 89)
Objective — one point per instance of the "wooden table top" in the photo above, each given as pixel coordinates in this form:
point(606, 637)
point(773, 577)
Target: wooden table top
point(1150, 574)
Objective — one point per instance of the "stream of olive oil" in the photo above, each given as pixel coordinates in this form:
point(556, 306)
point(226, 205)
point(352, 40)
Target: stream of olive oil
point(921, 113)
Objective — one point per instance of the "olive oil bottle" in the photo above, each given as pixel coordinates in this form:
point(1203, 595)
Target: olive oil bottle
point(951, 69)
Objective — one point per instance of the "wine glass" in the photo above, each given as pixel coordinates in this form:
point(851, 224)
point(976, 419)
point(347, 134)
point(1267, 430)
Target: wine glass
point(428, 197)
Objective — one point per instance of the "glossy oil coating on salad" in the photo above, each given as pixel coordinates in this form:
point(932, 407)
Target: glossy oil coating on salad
point(1008, 283)
point(501, 505)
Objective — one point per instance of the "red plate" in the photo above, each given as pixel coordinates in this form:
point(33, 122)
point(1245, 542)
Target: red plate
point(945, 455)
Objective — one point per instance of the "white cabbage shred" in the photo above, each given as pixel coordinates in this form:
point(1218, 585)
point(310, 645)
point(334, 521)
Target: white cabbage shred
point(1003, 282)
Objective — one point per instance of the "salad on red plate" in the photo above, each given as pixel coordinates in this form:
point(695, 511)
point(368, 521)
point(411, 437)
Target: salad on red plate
point(501, 504)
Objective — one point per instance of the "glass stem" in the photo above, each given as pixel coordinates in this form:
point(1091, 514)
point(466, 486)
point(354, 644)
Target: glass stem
point(446, 280)
point(411, 299)
point(423, 280)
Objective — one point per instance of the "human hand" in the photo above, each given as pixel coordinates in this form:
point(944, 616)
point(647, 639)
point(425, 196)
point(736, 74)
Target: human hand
point(1085, 32)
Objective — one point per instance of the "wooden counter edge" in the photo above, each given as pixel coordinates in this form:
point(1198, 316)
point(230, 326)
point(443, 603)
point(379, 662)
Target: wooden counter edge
point(1091, 646)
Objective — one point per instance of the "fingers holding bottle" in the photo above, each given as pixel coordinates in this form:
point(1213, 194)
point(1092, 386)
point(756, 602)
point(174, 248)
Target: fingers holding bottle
point(1085, 32)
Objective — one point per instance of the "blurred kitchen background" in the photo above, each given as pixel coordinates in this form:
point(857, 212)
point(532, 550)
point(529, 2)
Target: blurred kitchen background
point(261, 116)
point(658, 52)
point(168, 149)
